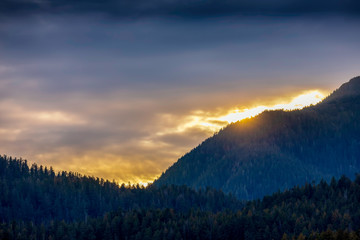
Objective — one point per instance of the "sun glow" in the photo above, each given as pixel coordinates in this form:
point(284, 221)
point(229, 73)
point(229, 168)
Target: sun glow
point(208, 121)
point(299, 102)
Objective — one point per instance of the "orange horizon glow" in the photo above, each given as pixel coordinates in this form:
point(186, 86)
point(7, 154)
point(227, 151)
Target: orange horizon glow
point(157, 153)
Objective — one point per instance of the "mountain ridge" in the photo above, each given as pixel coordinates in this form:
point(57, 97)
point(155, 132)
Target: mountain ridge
point(350, 88)
point(278, 149)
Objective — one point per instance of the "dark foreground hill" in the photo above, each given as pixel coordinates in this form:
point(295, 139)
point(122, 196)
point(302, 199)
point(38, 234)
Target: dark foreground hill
point(39, 195)
point(314, 212)
point(278, 149)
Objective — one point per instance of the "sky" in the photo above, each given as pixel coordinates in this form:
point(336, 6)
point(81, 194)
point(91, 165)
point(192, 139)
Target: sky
point(122, 89)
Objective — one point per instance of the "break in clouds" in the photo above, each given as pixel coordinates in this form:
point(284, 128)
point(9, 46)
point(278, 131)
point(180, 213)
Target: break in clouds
point(118, 98)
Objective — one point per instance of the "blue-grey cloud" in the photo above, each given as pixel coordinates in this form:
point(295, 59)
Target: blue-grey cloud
point(180, 8)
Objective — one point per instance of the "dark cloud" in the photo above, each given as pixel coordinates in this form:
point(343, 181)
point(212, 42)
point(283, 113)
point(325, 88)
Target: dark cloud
point(180, 8)
point(64, 56)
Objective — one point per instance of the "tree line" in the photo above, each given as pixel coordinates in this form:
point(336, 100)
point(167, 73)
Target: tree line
point(34, 204)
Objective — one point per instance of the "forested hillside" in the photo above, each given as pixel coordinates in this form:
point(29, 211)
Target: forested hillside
point(278, 149)
point(40, 195)
point(324, 211)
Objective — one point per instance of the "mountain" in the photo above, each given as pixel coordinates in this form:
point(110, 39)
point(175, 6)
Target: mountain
point(349, 89)
point(277, 150)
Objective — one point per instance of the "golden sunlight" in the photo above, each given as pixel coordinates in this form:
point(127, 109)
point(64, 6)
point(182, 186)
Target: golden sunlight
point(212, 122)
point(303, 100)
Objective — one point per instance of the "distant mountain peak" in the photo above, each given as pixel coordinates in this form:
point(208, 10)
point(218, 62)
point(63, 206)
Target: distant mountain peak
point(277, 150)
point(348, 89)
point(351, 87)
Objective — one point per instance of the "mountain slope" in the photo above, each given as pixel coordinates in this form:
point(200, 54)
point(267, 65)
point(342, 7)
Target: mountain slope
point(278, 149)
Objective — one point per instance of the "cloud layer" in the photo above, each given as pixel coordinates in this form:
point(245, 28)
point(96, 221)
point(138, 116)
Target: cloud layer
point(181, 8)
point(118, 99)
